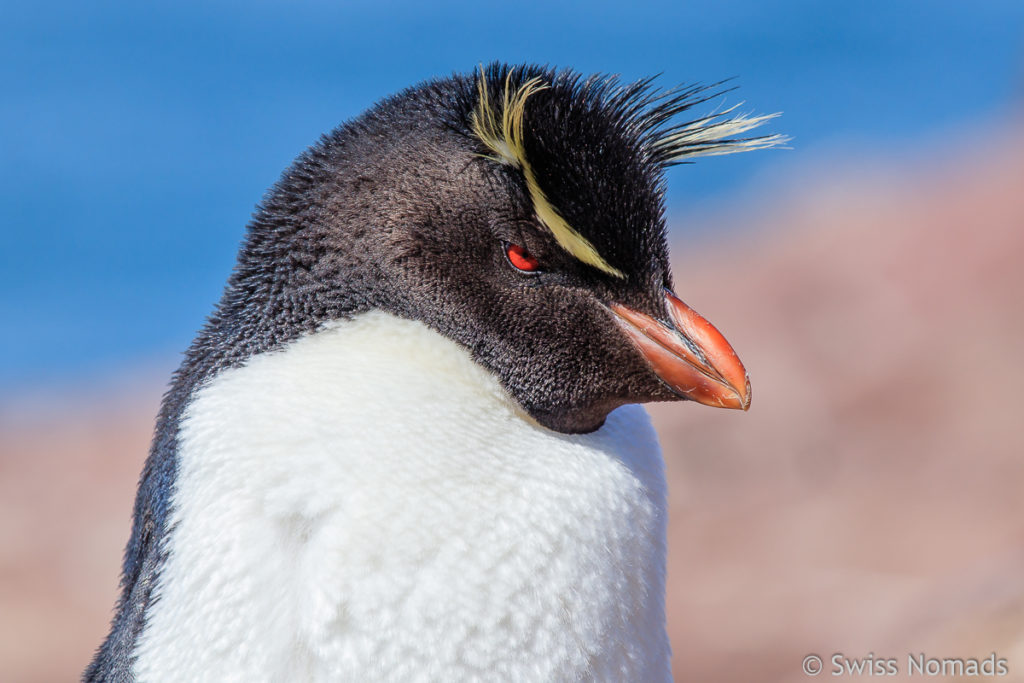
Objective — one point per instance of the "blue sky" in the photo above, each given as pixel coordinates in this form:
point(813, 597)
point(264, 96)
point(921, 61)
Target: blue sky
point(135, 138)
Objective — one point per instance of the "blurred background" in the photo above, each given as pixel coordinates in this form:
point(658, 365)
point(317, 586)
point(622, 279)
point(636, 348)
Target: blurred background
point(871, 277)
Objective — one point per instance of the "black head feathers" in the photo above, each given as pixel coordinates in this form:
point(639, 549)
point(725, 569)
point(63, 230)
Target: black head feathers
point(579, 138)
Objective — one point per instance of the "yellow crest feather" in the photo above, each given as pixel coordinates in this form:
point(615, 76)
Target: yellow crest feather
point(714, 135)
point(503, 136)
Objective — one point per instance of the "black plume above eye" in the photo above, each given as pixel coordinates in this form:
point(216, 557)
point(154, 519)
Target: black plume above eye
point(521, 259)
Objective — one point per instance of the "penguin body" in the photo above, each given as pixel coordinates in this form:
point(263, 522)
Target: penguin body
point(485, 546)
point(402, 447)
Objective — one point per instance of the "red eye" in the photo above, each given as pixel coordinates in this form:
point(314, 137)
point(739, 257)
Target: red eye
point(521, 259)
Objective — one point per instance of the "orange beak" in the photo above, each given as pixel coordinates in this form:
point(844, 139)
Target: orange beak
point(691, 357)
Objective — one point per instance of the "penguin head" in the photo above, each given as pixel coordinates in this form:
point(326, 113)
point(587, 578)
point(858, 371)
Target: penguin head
point(519, 211)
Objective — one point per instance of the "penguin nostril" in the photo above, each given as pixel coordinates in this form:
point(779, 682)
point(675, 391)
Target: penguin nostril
point(521, 259)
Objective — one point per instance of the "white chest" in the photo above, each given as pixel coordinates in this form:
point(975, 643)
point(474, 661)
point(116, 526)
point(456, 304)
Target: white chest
point(368, 505)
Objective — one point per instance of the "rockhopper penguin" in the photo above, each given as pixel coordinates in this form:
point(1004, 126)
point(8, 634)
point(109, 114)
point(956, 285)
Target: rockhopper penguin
point(403, 447)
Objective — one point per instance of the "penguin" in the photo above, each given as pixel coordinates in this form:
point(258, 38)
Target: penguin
point(407, 444)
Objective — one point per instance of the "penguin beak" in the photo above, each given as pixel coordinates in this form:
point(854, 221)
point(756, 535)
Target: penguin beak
point(690, 356)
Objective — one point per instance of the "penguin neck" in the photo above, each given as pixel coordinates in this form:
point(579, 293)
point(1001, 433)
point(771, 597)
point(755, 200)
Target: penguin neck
point(368, 499)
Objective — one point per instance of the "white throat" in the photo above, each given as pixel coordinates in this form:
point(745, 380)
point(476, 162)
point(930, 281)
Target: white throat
point(367, 504)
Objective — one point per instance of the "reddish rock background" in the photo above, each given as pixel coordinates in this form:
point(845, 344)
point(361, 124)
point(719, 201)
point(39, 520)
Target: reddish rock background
point(872, 500)
point(869, 503)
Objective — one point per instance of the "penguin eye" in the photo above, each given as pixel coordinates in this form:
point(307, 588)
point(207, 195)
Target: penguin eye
point(521, 259)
